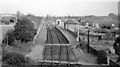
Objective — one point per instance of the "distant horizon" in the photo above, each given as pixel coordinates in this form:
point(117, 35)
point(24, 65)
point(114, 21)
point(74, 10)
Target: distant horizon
point(60, 7)
point(54, 15)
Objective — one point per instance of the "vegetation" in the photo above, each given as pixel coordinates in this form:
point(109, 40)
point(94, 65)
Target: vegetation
point(105, 27)
point(24, 30)
point(9, 38)
point(102, 57)
point(112, 15)
point(14, 59)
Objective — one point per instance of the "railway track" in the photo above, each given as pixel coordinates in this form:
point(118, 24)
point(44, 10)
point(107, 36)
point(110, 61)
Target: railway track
point(57, 54)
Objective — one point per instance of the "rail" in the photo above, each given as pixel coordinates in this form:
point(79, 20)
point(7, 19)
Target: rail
point(62, 56)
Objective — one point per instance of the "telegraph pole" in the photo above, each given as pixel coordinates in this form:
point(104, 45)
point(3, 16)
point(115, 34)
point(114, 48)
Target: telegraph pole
point(88, 41)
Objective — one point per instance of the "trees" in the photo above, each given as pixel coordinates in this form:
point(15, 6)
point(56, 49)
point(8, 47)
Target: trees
point(24, 30)
point(112, 15)
point(9, 38)
point(106, 27)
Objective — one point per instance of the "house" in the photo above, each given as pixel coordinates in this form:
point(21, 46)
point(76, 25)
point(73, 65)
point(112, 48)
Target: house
point(7, 22)
point(8, 19)
point(70, 24)
point(96, 25)
point(58, 22)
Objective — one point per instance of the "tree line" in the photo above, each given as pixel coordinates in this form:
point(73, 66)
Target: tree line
point(24, 31)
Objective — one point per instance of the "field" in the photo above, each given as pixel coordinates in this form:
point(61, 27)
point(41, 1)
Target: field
point(106, 20)
point(103, 20)
point(3, 30)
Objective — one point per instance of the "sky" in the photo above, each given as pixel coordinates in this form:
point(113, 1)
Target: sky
point(60, 7)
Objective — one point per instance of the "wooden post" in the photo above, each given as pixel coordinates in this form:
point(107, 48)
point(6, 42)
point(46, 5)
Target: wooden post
point(78, 36)
point(7, 39)
point(64, 25)
point(88, 42)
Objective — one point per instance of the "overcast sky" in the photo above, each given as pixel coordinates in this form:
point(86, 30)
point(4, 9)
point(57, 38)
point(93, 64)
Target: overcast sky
point(60, 7)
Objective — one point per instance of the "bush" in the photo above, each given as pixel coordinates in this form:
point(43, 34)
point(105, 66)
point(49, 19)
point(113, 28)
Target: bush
point(102, 57)
point(14, 59)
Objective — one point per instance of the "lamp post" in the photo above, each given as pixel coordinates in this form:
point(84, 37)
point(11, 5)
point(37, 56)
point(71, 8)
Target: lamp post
point(78, 25)
point(78, 32)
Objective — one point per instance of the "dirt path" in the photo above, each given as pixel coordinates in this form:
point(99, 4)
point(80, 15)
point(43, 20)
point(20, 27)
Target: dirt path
point(36, 53)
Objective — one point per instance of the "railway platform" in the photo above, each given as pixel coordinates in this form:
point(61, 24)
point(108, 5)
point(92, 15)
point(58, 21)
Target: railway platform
point(84, 58)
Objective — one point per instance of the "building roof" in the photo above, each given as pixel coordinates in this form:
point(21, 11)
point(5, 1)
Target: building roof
point(70, 21)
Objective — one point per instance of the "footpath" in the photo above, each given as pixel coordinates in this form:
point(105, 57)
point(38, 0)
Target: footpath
point(36, 52)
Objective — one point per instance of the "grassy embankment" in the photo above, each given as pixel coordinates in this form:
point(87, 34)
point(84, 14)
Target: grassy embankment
point(22, 48)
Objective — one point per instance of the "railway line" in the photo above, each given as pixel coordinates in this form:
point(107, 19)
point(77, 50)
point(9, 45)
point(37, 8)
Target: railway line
point(57, 50)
